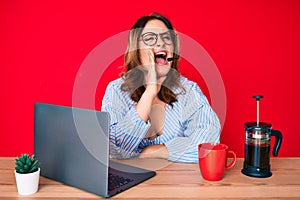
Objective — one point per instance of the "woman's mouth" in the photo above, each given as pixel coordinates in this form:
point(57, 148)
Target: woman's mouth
point(160, 57)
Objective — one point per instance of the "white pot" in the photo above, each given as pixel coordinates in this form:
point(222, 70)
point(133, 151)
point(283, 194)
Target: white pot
point(27, 183)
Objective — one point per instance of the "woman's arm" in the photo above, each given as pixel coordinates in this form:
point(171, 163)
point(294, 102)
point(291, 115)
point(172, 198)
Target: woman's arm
point(201, 125)
point(153, 85)
point(127, 129)
point(131, 123)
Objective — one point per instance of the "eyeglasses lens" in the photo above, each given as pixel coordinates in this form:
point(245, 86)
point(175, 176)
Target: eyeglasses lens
point(150, 38)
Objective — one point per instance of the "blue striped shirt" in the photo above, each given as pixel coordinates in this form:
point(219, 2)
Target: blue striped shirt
point(189, 122)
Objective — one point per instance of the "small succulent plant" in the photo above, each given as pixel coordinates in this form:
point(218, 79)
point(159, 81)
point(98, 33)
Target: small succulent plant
point(26, 164)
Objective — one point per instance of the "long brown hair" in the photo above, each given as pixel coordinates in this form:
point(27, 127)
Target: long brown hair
point(134, 79)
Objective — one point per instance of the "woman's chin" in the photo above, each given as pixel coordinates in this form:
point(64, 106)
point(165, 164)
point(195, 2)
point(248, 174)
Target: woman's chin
point(162, 69)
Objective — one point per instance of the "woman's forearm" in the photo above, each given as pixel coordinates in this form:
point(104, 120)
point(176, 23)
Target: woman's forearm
point(143, 107)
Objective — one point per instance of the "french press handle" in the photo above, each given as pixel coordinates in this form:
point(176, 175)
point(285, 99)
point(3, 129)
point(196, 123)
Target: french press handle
point(278, 137)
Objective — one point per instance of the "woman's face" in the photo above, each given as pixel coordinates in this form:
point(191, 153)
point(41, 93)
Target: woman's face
point(156, 39)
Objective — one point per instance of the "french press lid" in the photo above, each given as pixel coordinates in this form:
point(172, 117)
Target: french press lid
point(260, 127)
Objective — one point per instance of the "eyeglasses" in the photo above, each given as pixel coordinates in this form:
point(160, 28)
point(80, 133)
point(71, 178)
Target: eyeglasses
point(150, 38)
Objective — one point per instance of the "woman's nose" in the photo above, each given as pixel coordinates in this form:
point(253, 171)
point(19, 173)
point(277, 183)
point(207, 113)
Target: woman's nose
point(159, 42)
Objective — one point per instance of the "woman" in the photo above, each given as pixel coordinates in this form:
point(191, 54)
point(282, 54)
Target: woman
point(156, 112)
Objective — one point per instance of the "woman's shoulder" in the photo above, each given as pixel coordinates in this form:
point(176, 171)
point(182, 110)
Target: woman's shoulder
point(114, 89)
point(116, 83)
point(193, 92)
point(187, 83)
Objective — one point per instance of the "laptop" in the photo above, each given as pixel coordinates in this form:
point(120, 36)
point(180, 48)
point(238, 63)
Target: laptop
point(72, 145)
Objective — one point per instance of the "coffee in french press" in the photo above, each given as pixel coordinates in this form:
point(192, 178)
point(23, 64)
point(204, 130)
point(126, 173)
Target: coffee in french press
point(257, 146)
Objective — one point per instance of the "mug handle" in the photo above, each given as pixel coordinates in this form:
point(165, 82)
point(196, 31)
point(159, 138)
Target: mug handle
point(233, 161)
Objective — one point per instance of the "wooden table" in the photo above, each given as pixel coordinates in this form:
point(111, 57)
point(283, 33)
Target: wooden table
point(176, 181)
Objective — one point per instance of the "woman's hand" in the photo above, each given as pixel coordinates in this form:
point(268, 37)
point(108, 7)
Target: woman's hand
point(151, 76)
point(155, 151)
point(152, 81)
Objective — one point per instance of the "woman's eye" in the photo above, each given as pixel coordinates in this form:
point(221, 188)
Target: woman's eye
point(149, 38)
point(167, 38)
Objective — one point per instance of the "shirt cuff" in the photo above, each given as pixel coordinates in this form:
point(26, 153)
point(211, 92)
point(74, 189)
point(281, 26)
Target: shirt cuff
point(178, 147)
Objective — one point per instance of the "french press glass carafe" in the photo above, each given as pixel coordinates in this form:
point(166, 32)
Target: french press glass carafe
point(257, 146)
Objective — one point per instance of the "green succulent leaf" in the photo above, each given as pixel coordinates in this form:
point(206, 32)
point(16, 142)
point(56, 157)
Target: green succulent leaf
point(22, 159)
point(28, 161)
point(33, 170)
point(26, 164)
point(19, 163)
point(35, 164)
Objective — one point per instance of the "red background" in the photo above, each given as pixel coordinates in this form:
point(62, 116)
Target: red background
point(255, 45)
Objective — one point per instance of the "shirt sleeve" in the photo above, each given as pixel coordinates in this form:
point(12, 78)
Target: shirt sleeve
point(127, 130)
point(201, 124)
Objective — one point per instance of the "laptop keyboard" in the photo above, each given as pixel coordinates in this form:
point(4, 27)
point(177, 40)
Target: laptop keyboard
point(116, 181)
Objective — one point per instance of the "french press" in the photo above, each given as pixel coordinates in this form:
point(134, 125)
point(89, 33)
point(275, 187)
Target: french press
point(257, 146)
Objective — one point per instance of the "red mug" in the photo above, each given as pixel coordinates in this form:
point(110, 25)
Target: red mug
point(213, 160)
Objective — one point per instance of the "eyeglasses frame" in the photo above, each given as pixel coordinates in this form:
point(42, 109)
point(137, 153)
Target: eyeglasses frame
point(172, 34)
